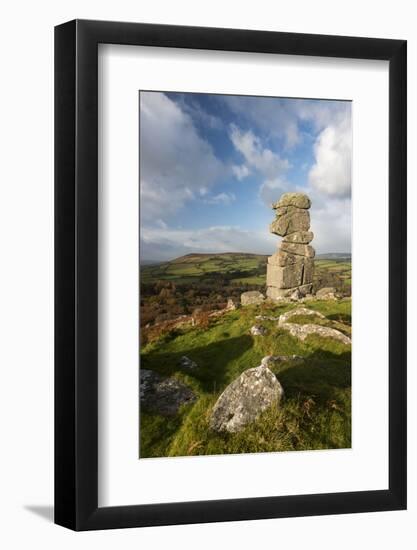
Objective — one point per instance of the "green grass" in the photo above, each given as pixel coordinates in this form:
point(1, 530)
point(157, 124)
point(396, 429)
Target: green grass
point(316, 412)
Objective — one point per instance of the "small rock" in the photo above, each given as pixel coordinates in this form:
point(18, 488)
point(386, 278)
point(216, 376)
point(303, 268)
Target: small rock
point(266, 318)
point(296, 295)
point(299, 311)
point(232, 304)
point(326, 290)
point(327, 293)
point(187, 363)
point(283, 294)
point(251, 297)
point(163, 396)
point(302, 331)
point(258, 330)
point(253, 392)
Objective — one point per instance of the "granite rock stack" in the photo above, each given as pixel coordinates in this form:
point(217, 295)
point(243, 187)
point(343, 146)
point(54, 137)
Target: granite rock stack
point(290, 270)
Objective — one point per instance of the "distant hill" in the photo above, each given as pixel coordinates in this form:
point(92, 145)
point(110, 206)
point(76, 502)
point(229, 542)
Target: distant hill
point(345, 256)
point(235, 265)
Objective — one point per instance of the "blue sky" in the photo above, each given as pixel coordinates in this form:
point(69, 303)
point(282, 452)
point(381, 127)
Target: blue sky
point(211, 165)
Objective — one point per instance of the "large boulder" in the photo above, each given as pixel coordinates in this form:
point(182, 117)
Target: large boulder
point(299, 237)
point(282, 259)
point(162, 396)
point(297, 312)
point(251, 297)
point(282, 294)
point(255, 391)
point(291, 222)
point(303, 331)
point(308, 271)
point(289, 276)
point(300, 200)
point(298, 249)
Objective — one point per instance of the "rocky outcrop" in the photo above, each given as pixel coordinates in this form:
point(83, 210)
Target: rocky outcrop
point(255, 391)
point(163, 396)
point(290, 270)
point(299, 311)
point(251, 297)
point(302, 331)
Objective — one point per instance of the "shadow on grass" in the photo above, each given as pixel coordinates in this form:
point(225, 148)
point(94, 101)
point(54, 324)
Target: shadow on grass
point(213, 361)
point(322, 375)
point(341, 317)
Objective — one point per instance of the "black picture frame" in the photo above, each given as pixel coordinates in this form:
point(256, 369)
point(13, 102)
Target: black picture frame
point(76, 272)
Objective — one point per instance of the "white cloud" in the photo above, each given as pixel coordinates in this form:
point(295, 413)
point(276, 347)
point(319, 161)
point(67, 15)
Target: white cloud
point(221, 198)
point(264, 160)
point(270, 115)
point(283, 117)
point(197, 113)
point(331, 223)
point(240, 171)
point(165, 244)
point(161, 223)
point(331, 173)
point(271, 189)
point(176, 164)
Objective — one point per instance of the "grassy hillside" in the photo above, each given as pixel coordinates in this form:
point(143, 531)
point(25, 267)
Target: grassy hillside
point(316, 412)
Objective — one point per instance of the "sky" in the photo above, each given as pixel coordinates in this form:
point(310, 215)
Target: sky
point(211, 165)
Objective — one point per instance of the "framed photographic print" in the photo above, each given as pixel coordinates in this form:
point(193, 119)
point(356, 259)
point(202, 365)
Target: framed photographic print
point(230, 275)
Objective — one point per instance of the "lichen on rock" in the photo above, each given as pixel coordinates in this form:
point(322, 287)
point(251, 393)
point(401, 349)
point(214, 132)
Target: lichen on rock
point(163, 396)
point(251, 297)
point(290, 270)
point(254, 391)
point(303, 331)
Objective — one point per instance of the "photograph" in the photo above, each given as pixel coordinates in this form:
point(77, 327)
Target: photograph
point(245, 274)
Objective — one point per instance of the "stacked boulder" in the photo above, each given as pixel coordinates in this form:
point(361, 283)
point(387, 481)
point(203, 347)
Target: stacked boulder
point(290, 270)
